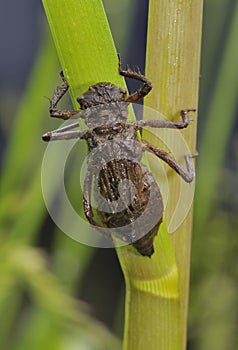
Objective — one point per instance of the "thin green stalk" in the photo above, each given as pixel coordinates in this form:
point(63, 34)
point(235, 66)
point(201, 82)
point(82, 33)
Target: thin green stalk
point(83, 42)
point(157, 288)
point(87, 56)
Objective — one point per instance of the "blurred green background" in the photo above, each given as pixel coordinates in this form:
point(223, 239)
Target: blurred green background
point(58, 294)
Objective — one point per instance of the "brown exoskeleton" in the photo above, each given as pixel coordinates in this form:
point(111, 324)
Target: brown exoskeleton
point(122, 185)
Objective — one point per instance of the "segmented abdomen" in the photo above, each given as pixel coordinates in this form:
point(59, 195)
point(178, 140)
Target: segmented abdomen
point(129, 200)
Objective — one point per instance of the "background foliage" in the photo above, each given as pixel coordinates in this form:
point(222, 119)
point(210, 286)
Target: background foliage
point(46, 279)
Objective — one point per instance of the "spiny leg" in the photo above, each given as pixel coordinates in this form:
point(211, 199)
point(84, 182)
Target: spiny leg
point(88, 211)
point(188, 175)
point(58, 94)
point(143, 91)
point(166, 123)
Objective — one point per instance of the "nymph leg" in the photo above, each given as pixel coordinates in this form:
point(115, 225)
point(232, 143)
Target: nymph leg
point(143, 91)
point(188, 175)
point(58, 94)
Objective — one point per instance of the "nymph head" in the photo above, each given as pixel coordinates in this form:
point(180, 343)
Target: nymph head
point(101, 93)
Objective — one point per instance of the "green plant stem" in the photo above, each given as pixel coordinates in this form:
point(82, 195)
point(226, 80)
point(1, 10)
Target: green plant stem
point(83, 42)
point(173, 60)
point(157, 288)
